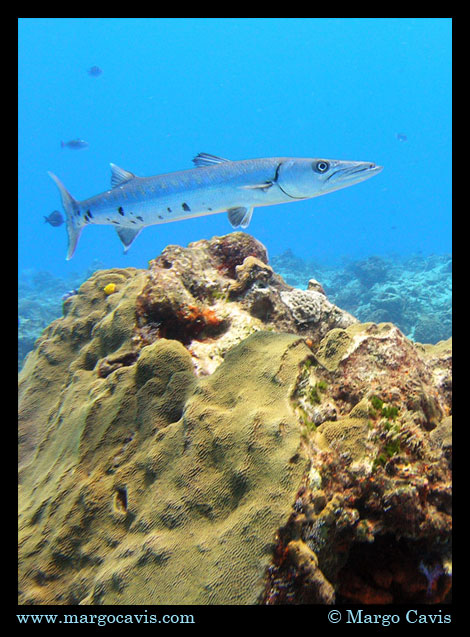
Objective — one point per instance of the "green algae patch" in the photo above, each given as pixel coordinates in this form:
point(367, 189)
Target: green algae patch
point(152, 486)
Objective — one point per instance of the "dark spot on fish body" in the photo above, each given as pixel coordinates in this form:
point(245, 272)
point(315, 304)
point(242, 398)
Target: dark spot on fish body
point(121, 211)
point(160, 217)
point(132, 221)
point(140, 218)
point(117, 223)
point(185, 207)
point(169, 209)
point(87, 216)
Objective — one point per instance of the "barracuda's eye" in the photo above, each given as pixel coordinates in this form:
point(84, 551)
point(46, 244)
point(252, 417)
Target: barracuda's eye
point(321, 166)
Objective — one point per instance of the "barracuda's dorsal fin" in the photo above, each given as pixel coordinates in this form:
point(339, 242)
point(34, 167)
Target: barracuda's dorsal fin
point(127, 236)
point(204, 159)
point(119, 176)
point(240, 216)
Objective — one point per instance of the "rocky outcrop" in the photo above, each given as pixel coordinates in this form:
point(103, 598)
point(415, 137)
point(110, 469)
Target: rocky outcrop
point(201, 432)
point(214, 293)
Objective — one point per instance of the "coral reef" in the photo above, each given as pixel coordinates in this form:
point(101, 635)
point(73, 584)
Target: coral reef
point(376, 503)
point(208, 434)
point(40, 298)
point(412, 292)
point(214, 293)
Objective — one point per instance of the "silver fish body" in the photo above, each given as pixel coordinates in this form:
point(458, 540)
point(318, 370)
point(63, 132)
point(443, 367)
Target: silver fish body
point(215, 185)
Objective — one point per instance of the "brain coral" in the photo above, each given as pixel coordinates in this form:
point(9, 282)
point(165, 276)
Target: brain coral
point(312, 306)
point(154, 487)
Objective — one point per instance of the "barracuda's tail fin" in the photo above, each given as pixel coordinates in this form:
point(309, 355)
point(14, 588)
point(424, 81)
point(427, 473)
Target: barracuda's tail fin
point(71, 206)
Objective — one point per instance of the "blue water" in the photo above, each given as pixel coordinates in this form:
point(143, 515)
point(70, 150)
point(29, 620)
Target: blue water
point(374, 89)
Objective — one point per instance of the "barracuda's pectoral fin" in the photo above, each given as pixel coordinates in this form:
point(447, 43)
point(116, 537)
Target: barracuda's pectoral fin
point(240, 217)
point(204, 159)
point(127, 236)
point(263, 186)
point(119, 176)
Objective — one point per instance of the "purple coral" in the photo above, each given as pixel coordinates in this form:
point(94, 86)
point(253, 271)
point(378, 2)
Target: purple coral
point(432, 574)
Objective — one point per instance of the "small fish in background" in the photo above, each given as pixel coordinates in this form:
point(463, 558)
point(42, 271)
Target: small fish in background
point(401, 137)
point(95, 71)
point(55, 218)
point(75, 144)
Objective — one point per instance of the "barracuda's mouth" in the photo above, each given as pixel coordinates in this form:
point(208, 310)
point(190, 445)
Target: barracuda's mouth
point(353, 174)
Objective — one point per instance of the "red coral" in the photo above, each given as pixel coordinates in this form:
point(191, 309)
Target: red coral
point(193, 320)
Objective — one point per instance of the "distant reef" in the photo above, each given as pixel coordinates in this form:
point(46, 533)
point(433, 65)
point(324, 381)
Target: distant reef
point(203, 432)
point(40, 302)
point(413, 292)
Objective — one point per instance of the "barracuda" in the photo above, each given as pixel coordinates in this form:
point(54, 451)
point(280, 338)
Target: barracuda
point(215, 185)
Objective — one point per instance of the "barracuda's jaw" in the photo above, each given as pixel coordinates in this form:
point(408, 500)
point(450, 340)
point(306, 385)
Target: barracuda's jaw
point(349, 174)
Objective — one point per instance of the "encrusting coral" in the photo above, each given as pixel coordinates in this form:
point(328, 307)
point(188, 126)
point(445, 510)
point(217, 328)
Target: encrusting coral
point(203, 436)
